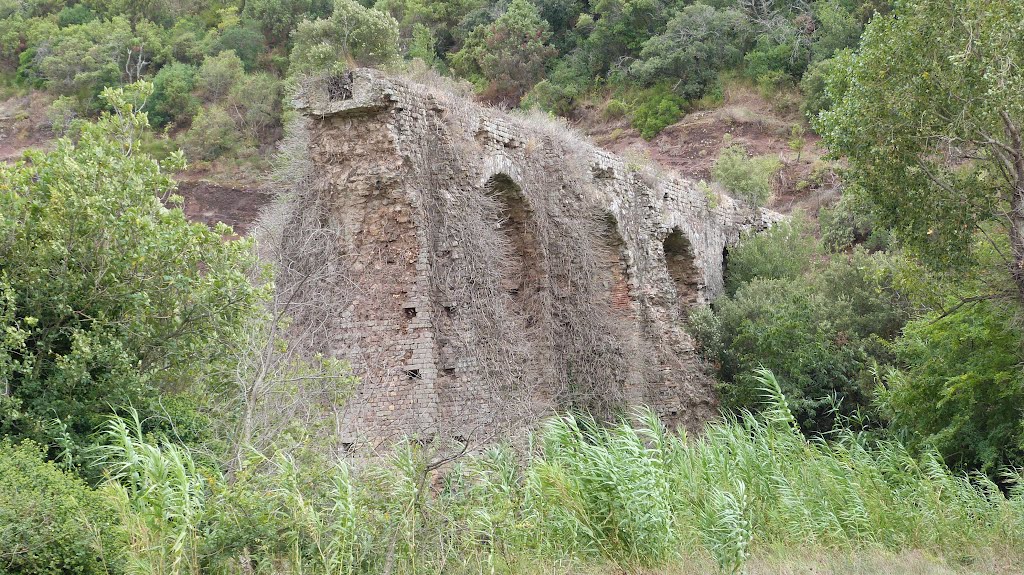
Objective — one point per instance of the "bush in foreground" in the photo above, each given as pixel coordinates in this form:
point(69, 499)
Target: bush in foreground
point(50, 521)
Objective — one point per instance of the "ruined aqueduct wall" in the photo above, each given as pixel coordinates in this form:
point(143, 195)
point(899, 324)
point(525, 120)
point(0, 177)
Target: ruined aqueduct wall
point(493, 267)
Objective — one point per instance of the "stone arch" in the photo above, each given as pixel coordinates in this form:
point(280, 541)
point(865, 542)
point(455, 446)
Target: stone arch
point(522, 272)
point(682, 267)
point(613, 248)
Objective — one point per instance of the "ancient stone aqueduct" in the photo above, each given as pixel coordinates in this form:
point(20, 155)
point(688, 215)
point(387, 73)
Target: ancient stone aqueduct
point(492, 267)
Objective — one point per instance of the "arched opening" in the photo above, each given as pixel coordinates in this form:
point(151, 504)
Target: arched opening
point(725, 262)
point(612, 249)
point(521, 277)
point(681, 267)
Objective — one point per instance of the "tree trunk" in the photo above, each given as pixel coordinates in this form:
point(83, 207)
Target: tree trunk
point(1017, 239)
point(1016, 204)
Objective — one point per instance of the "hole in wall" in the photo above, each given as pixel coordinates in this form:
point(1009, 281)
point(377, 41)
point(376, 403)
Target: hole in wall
point(679, 260)
point(412, 374)
point(523, 272)
point(410, 312)
point(340, 87)
point(725, 261)
point(612, 248)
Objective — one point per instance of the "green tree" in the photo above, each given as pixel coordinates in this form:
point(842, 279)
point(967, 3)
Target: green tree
point(172, 98)
point(931, 124)
point(77, 14)
point(619, 29)
point(439, 17)
point(213, 134)
point(114, 295)
point(509, 55)
point(960, 387)
point(561, 15)
point(256, 103)
point(81, 60)
point(219, 74)
point(698, 43)
point(836, 29)
point(278, 18)
point(245, 40)
point(353, 35)
point(163, 12)
point(423, 45)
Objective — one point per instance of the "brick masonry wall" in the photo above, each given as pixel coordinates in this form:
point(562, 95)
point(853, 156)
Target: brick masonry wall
point(502, 267)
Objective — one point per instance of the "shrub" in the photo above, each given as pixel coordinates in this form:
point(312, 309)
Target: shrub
point(706, 328)
point(786, 251)
point(614, 109)
point(219, 74)
point(62, 113)
point(777, 60)
point(51, 522)
point(132, 299)
point(551, 97)
point(818, 325)
point(172, 98)
point(813, 87)
point(960, 388)
point(657, 109)
point(748, 179)
point(212, 135)
point(847, 223)
point(558, 92)
point(801, 335)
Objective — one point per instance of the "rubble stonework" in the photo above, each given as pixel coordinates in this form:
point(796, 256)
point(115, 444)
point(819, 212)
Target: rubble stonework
point(496, 267)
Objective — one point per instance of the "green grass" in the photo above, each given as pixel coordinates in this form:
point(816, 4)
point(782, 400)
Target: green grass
point(750, 494)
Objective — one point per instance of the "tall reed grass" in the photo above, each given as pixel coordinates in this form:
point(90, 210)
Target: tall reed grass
point(632, 496)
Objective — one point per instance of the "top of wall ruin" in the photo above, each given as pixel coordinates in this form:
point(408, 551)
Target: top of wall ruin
point(514, 142)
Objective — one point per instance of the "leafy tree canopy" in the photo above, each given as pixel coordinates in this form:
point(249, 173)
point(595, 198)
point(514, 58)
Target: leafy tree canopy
point(353, 35)
point(509, 55)
point(106, 295)
point(699, 42)
point(929, 113)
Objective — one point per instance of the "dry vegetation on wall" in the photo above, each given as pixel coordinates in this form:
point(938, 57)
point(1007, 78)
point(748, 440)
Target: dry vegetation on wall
point(528, 293)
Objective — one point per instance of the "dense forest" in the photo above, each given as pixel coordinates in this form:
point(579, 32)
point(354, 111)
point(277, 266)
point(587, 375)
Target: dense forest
point(155, 418)
point(220, 69)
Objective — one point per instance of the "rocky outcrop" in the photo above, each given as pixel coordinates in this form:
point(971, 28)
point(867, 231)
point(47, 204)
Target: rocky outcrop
point(489, 267)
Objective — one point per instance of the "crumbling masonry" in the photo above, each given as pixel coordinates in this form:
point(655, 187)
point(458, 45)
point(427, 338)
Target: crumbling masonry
point(488, 268)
